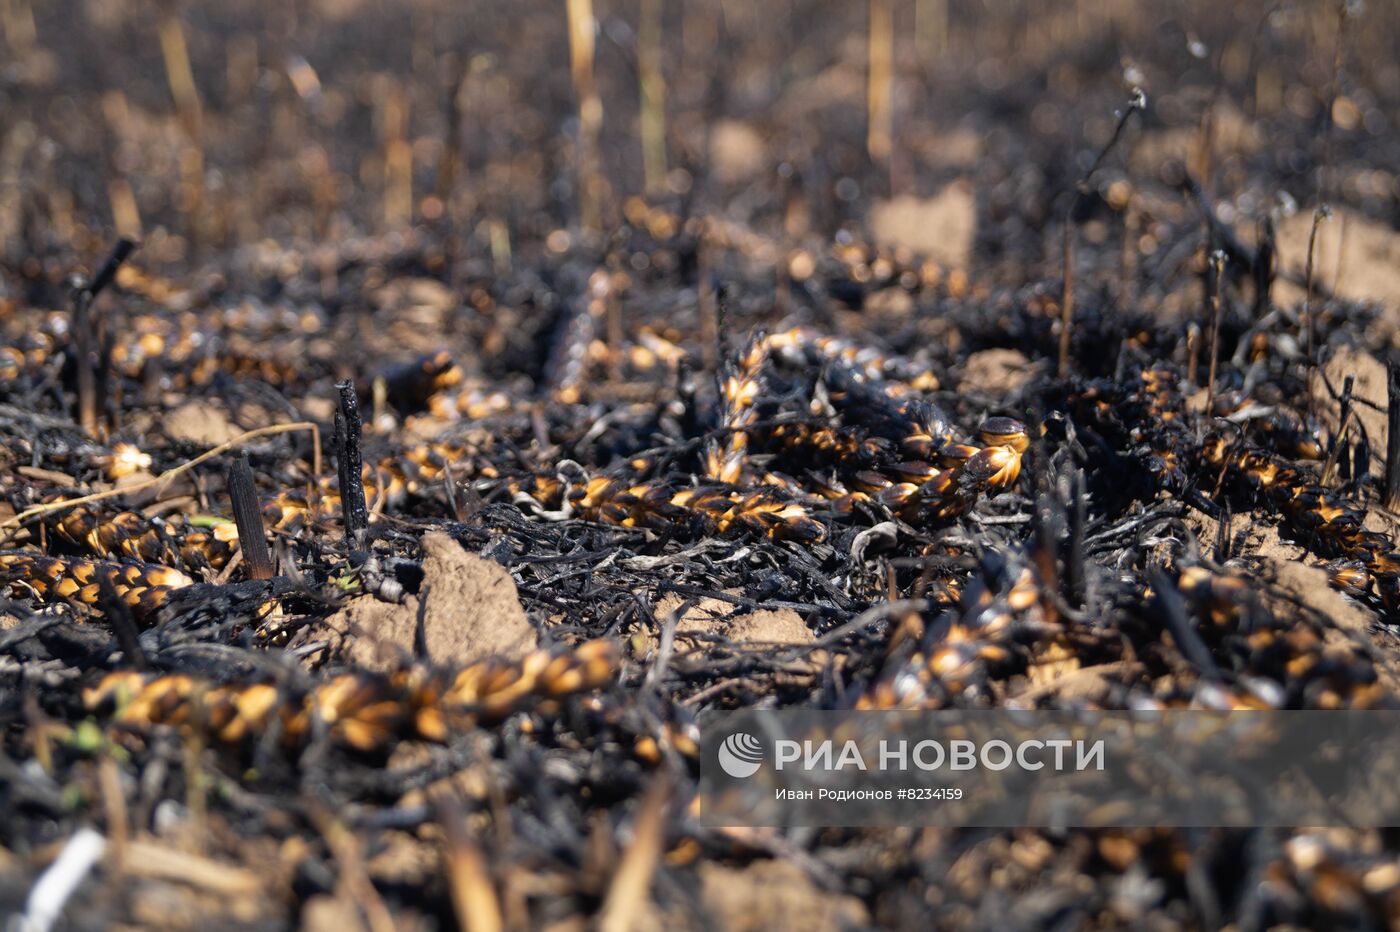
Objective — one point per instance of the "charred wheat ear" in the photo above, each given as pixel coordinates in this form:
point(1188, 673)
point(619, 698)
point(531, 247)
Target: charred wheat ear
point(354, 513)
point(248, 516)
point(357, 710)
point(1392, 437)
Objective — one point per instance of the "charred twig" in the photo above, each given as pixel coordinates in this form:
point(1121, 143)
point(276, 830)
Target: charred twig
point(1193, 352)
point(124, 628)
point(248, 516)
point(353, 510)
point(1173, 610)
point(108, 273)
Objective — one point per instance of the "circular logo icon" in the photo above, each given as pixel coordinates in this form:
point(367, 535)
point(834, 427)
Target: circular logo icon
point(740, 755)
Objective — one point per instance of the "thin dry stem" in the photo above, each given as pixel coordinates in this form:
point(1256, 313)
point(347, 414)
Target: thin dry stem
point(630, 888)
point(170, 474)
point(474, 898)
point(1217, 260)
point(653, 88)
point(879, 134)
point(590, 111)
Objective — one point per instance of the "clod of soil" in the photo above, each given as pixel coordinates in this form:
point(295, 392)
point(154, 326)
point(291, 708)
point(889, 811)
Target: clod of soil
point(1228, 130)
point(996, 372)
point(200, 422)
point(714, 617)
point(942, 227)
point(1368, 393)
point(1308, 585)
point(467, 609)
point(775, 895)
point(736, 151)
point(1355, 257)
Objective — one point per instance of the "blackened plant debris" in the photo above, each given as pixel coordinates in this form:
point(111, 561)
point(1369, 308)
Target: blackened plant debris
point(257, 559)
point(1136, 103)
point(756, 435)
point(354, 513)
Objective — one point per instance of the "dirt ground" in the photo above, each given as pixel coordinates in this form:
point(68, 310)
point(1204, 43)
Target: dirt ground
point(597, 365)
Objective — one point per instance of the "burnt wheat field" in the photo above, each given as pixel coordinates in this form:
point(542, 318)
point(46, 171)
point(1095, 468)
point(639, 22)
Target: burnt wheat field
point(417, 415)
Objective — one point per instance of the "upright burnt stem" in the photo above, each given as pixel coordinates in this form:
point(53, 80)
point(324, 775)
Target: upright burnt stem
point(650, 56)
point(1079, 520)
point(1217, 261)
point(108, 273)
point(108, 400)
point(1348, 388)
point(1264, 268)
point(246, 514)
point(1067, 290)
point(1137, 102)
point(83, 350)
point(353, 511)
point(879, 133)
point(1193, 352)
point(1127, 257)
point(89, 341)
point(122, 622)
point(1392, 437)
point(1319, 217)
point(590, 111)
point(1224, 534)
point(1361, 460)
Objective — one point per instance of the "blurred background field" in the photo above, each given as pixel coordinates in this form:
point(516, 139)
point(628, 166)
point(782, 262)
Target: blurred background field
point(202, 126)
